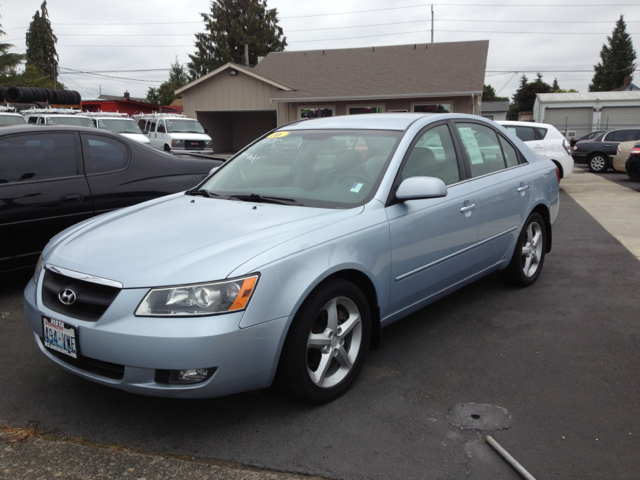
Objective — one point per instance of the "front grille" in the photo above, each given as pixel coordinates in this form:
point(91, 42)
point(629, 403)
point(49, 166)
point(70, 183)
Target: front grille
point(92, 299)
point(91, 365)
point(194, 144)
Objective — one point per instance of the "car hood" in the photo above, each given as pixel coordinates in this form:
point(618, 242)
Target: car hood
point(138, 137)
point(183, 239)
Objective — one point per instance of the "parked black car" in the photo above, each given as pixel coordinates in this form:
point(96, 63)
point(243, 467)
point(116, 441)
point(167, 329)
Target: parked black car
point(632, 165)
point(55, 176)
point(597, 153)
point(588, 136)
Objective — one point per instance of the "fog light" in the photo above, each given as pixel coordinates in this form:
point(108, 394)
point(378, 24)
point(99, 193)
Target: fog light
point(177, 377)
point(195, 375)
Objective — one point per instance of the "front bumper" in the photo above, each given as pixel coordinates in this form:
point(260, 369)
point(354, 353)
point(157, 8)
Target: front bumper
point(244, 358)
point(191, 150)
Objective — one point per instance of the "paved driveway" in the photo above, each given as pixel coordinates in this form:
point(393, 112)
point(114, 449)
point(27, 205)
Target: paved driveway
point(561, 357)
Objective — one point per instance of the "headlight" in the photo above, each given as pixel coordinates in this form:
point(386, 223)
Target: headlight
point(207, 143)
point(177, 143)
point(36, 274)
point(200, 299)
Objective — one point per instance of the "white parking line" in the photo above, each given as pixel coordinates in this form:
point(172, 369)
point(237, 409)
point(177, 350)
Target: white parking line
point(616, 208)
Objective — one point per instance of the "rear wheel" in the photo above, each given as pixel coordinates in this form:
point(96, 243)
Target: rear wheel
point(327, 343)
point(528, 257)
point(598, 163)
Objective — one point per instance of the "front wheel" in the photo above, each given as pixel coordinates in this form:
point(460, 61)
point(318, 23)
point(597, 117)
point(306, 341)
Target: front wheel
point(167, 148)
point(327, 343)
point(528, 257)
point(598, 163)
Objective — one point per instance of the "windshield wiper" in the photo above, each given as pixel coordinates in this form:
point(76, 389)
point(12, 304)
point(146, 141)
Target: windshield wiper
point(254, 197)
point(202, 192)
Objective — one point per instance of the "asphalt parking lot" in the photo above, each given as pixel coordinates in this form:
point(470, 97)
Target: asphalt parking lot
point(561, 357)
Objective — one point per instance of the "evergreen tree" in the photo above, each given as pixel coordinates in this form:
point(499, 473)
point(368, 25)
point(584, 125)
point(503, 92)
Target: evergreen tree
point(165, 92)
point(230, 25)
point(489, 94)
point(525, 96)
point(41, 44)
point(617, 60)
point(555, 85)
point(8, 61)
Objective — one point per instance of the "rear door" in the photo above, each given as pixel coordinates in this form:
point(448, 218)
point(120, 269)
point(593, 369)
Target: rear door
point(42, 192)
point(500, 179)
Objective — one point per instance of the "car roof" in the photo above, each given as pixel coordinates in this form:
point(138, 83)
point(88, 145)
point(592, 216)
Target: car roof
point(525, 124)
point(39, 128)
point(372, 121)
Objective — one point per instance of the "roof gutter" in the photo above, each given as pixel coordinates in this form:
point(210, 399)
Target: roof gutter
point(376, 97)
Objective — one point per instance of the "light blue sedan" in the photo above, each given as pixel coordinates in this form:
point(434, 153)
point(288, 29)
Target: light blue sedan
point(285, 263)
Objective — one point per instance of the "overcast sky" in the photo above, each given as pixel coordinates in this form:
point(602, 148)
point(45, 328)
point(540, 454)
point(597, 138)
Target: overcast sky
point(561, 39)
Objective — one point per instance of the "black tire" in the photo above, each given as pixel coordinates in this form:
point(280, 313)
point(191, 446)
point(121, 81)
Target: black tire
point(598, 163)
point(167, 148)
point(528, 257)
point(3, 93)
point(340, 355)
point(15, 95)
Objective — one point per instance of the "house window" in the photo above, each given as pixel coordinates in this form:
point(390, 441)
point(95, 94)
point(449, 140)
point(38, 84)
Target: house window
point(316, 112)
point(358, 109)
point(402, 110)
point(432, 107)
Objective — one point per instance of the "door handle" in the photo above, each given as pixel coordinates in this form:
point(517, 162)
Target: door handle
point(71, 198)
point(522, 189)
point(468, 208)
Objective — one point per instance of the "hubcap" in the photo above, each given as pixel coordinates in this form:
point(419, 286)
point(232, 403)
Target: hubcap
point(531, 249)
point(334, 342)
point(597, 163)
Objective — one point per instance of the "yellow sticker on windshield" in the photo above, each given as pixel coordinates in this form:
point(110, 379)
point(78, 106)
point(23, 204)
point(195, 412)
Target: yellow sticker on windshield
point(278, 135)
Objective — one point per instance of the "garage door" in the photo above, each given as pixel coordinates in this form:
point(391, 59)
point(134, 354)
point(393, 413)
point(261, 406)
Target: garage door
point(620, 117)
point(568, 120)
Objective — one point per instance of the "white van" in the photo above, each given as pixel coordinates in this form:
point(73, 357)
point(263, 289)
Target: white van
point(118, 123)
point(56, 116)
point(174, 133)
point(8, 116)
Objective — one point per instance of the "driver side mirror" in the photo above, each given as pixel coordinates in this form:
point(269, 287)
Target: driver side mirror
point(414, 188)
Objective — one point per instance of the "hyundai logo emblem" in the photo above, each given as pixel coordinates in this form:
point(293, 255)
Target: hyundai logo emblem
point(67, 296)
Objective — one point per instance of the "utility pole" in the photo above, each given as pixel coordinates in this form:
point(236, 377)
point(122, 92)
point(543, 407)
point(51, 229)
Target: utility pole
point(432, 15)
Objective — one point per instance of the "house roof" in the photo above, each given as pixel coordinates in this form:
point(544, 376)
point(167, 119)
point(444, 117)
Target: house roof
point(587, 97)
point(495, 106)
point(122, 98)
point(416, 70)
point(401, 70)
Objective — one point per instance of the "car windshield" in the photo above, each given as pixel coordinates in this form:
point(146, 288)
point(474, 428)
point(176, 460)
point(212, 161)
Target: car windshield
point(76, 121)
point(179, 125)
point(119, 125)
point(12, 120)
point(316, 168)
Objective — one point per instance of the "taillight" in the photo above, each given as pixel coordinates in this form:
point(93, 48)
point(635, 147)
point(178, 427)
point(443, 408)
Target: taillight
point(566, 146)
point(634, 151)
point(619, 149)
point(558, 174)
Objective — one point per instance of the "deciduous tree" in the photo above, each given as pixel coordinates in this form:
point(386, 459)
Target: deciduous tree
point(229, 26)
point(165, 92)
point(8, 61)
point(618, 60)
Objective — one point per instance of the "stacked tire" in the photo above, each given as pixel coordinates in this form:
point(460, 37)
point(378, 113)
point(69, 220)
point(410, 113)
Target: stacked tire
point(33, 94)
point(3, 93)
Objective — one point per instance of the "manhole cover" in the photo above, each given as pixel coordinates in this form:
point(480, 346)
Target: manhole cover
point(478, 416)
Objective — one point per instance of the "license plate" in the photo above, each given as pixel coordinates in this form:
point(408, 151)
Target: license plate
point(60, 336)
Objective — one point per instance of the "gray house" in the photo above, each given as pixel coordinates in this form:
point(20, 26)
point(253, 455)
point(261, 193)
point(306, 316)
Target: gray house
point(238, 103)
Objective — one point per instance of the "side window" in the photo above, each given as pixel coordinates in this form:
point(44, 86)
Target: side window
point(433, 156)
point(541, 132)
point(33, 119)
point(161, 128)
point(622, 136)
point(142, 123)
point(526, 134)
point(152, 126)
point(40, 120)
point(482, 147)
point(102, 154)
point(37, 157)
point(509, 153)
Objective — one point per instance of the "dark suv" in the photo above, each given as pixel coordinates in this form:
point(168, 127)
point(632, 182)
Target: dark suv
point(597, 153)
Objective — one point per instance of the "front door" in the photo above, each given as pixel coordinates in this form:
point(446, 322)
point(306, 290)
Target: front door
point(431, 238)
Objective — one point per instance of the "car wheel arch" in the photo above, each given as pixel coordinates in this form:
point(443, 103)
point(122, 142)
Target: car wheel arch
point(543, 211)
point(559, 166)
